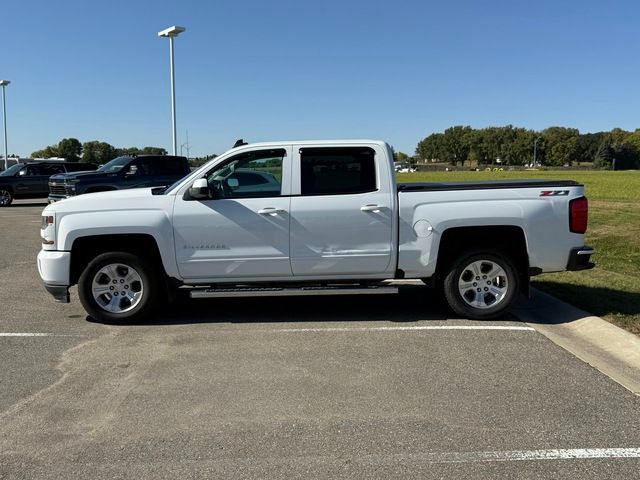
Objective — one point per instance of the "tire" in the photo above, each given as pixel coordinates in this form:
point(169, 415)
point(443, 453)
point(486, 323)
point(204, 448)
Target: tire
point(481, 285)
point(108, 276)
point(5, 197)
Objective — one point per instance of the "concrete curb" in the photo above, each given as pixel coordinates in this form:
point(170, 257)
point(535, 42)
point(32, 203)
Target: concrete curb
point(612, 350)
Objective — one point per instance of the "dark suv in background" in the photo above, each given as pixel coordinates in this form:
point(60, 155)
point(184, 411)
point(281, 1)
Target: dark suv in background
point(121, 173)
point(31, 180)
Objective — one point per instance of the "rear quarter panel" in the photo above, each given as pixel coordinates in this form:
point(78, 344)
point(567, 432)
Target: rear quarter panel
point(543, 219)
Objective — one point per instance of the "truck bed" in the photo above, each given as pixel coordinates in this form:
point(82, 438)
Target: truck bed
point(484, 185)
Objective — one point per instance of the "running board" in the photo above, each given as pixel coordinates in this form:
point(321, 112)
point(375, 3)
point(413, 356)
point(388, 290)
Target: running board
point(290, 291)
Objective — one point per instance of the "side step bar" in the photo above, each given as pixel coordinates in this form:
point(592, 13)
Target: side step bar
point(291, 291)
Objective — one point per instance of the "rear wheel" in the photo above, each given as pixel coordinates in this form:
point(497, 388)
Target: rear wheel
point(481, 285)
point(5, 197)
point(118, 287)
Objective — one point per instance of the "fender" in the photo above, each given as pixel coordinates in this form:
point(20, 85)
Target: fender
point(155, 223)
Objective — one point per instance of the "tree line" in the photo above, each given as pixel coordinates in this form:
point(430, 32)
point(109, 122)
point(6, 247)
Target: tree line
point(509, 145)
point(95, 151)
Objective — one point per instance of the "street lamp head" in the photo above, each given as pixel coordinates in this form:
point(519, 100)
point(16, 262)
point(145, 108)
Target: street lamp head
point(171, 31)
point(4, 83)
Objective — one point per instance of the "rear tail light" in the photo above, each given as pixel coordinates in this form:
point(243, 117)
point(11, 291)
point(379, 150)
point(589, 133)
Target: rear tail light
point(578, 215)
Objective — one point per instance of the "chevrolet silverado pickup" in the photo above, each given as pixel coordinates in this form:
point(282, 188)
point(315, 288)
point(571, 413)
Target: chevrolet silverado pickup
point(310, 218)
point(120, 173)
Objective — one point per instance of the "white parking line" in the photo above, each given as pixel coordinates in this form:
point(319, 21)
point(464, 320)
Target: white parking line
point(509, 456)
point(32, 334)
point(404, 328)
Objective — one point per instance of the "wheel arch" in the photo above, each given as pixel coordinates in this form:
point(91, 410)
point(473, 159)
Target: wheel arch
point(507, 240)
point(85, 249)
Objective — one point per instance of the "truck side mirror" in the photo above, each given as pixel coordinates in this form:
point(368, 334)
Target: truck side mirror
point(199, 190)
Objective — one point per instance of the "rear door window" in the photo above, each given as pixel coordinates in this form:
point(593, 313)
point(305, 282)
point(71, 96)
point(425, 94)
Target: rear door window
point(168, 166)
point(337, 171)
point(51, 169)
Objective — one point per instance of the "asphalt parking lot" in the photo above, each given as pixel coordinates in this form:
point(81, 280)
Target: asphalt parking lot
point(319, 387)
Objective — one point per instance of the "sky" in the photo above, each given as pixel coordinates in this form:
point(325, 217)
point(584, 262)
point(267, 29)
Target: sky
point(292, 70)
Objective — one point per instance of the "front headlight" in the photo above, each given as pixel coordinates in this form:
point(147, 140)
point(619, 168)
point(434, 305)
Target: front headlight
point(48, 230)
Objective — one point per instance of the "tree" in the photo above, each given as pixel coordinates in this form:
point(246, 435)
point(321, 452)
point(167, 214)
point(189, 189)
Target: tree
point(153, 151)
point(555, 146)
point(519, 149)
point(561, 145)
point(401, 157)
point(70, 149)
point(457, 141)
point(199, 161)
point(93, 151)
point(134, 151)
point(130, 151)
point(97, 152)
point(589, 145)
point(604, 156)
point(46, 152)
point(431, 148)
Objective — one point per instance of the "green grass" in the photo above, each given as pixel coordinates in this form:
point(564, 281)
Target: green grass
point(612, 289)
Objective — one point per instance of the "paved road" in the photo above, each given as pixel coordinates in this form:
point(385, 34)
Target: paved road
point(366, 387)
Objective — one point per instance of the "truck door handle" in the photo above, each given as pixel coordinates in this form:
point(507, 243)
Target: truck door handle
point(370, 208)
point(270, 211)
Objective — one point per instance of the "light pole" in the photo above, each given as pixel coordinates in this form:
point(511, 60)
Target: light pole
point(535, 151)
point(4, 83)
point(172, 32)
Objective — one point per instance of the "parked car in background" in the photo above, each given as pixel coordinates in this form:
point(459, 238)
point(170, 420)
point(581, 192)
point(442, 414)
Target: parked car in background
point(404, 168)
point(31, 180)
point(120, 173)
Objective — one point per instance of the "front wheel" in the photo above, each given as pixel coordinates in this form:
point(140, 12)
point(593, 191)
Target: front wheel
point(5, 197)
point(118, 287)
point(481, 285)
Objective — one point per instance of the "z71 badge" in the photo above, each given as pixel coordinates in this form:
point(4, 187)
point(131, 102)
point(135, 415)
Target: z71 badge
point(554, 193)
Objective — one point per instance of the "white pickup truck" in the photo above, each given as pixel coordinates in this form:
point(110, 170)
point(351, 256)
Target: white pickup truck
point(310, 218)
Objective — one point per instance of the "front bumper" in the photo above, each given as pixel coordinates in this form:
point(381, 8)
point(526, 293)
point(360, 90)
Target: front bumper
point(56, 198)
point(53, 267)
point(59, 292)
point(579, 259)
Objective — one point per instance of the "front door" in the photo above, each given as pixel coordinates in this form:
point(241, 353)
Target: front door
point(34, 180)
point(244, 231)
point(341, 221)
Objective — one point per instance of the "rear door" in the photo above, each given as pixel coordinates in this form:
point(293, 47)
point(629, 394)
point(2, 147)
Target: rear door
point(341, 214)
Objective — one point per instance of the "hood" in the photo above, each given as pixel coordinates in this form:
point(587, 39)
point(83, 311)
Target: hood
point(112, 200)
point(86, 175)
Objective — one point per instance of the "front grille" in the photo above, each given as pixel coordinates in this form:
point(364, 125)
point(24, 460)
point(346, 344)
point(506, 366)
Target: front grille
point(57, 189)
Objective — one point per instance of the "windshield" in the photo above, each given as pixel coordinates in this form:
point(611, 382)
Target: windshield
point(114, 165)
point(12, 170)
